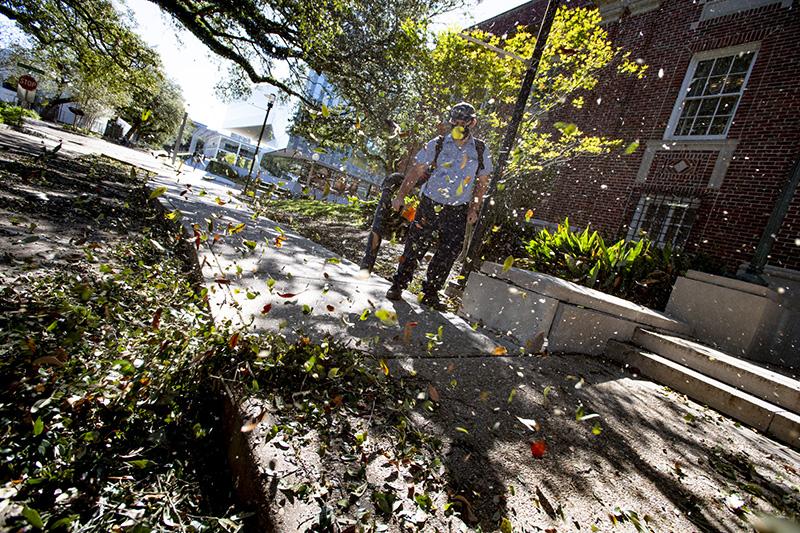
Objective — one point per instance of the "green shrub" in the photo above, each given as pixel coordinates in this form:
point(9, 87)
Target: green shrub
point(638, 271)
point(12, 114)
point(222, 169)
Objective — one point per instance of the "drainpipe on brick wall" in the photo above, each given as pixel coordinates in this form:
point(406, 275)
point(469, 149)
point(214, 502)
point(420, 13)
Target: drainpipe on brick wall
point(753, 272)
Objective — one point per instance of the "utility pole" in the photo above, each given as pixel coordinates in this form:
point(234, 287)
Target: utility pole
point(485, 217)
point(270, 103)
point(756, 267)
point(180, 136)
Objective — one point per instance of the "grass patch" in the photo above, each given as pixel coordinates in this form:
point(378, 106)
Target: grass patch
point(358, 214)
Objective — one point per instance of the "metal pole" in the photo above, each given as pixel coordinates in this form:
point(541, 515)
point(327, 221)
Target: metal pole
point(484, 217)
point(759, 261)
point(180, 136)
point(258, 147)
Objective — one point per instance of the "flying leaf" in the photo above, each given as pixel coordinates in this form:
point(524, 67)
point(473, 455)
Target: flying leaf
point(500, 350)
point(219, 201)
point(407, 331)
point(173, 215)
point(433, 394)
point(33, 518)
point(158, 191)
point(233, 230)
point(530, 423)
point(287, 295)
point(465, 431)
point(538, 448)
point(38, 426)
point(333, 260)
point(508, 263)
point(250, 244)
point(511, 395)
point(266, 309)
point(279, 241)
point(528, 215)
point(387, 317)
point(631, 147)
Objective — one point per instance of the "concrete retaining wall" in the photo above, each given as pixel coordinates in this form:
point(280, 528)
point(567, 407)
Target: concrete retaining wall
point(744, 319)
point(573, 318)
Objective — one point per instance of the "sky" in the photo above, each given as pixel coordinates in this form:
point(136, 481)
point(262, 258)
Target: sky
point(196, 70)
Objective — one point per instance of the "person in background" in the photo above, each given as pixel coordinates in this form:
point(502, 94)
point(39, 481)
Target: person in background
point(384, 222)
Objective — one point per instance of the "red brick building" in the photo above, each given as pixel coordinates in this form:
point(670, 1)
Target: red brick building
point(717, 117)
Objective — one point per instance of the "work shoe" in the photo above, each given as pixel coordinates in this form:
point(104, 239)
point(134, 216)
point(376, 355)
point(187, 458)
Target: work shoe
point(432, 300)
point(394, 293)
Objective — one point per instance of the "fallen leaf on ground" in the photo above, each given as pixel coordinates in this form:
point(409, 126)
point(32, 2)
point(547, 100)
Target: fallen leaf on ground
point(466, 509)
point(234, 340)
point(499, 350)
point(384, 367)
point(156, 318)
point(266, 309)
point(287, 295)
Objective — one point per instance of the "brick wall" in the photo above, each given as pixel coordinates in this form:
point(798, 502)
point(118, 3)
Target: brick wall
point(604, 191)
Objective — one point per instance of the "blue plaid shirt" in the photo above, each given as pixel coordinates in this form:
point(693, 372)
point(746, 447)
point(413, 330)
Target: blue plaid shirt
point(454, 179)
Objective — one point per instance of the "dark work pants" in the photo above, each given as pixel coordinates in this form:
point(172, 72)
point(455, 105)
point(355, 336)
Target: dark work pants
point(450, 222)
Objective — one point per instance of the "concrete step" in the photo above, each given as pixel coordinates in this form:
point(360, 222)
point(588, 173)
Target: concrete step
point(766, 417)
point(751, 378)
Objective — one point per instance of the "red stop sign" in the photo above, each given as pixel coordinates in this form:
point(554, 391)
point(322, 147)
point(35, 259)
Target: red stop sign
point(27, 82)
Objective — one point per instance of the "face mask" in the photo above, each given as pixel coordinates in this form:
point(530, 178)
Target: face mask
point(460, 132)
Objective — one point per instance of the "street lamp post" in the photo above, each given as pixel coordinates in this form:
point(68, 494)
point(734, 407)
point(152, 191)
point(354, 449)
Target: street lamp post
point(270, 103)
point(180, 137)
point(484, 218)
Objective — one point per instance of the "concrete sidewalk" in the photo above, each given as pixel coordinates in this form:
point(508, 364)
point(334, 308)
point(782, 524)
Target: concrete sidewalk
point(312, 290)
point(618, 448)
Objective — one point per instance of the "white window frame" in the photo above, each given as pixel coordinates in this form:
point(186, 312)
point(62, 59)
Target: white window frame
point(669, 134)
point(660, 199)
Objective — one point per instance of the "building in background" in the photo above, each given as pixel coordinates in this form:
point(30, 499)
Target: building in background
point(335, 175)
point(717, 118)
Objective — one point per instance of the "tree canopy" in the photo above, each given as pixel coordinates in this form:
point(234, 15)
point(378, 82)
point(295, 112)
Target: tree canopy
point(93, 56)
point(455, 68)
point(354, 39)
